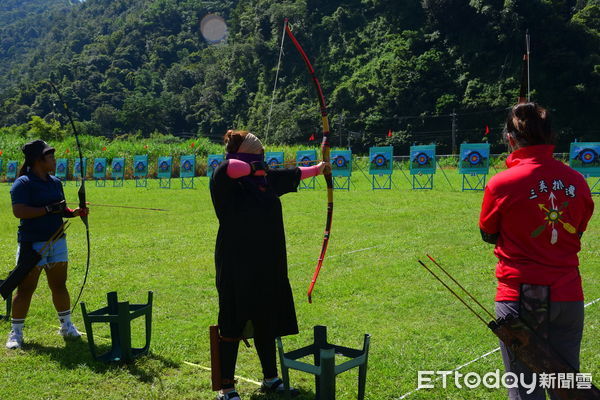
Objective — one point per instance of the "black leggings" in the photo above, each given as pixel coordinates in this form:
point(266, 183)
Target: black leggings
point(265, 348)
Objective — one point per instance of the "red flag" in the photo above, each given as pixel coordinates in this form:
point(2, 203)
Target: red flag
point(311, 138)
point(487, 130)
point(193, 145)
point(104, 148)
point(390, 133)
point(0, 152)
point(67, 151)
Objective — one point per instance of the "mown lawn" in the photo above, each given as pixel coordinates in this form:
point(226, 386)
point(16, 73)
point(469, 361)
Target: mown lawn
point(371, 283)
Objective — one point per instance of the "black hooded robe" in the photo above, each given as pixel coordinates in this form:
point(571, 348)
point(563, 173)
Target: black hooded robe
point(250, 254)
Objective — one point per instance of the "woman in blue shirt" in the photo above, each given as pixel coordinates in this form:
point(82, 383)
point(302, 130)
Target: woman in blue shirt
point(39, 202)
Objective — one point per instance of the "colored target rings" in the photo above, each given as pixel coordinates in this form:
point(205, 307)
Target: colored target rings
point(61, 167)
point(140, 166)
point(306, 161)
point(164, 166)
point(12, 167)
point(380, 160)
point(274, 162)
point(340, 162)
point(187, 166)
point(422, 159)
point(99, 167)
point(588, 156)
point(214, 164)
point(117, 167)
point(474, 158)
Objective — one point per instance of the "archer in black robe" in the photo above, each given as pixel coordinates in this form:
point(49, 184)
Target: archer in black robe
point(250, 255)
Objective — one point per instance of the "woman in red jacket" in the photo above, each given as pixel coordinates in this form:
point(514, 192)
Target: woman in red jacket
point(535, 213)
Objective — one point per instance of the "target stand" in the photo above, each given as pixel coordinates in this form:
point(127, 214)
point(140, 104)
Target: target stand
point(141, 182)
point(341, 183)
point(118, 182)
point(381, 182)
point(164, 183)
point(594, 183)
point(422, 181)
point(100, 182)
point(307, 183)
point(187, 183)
point(473, 182)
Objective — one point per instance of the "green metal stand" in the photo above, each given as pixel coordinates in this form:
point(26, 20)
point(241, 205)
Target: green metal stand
point(325, 370)
point(119, 315)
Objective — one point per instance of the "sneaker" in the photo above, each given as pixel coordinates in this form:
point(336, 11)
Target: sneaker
point(276, 386)
point(233, 395)
point(15, 340)
point(69, 331)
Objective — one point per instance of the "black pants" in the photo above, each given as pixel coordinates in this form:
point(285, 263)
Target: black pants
point(564, 334)
point(265, 348)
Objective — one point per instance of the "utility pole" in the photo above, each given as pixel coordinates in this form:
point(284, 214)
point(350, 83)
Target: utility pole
point(454, 131)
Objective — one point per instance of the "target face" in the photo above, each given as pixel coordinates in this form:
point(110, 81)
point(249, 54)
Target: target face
point(379, 160)
point(140, 166)
point(422, 159)
point(273, 162)
point(306, 161)
point(164, 166)
point(78, 167)
point(340, 161)
point(117, 167)
point(213, 29)
point(99, 167)
point(12, 167)
point(61, 168)
point(588, 156)
point(186, 166)
point(474, 158)
point(214, 164)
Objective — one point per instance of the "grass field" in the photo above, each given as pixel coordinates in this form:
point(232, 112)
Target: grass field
point(371, 283)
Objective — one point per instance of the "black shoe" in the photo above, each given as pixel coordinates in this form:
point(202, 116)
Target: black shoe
point(277, 386)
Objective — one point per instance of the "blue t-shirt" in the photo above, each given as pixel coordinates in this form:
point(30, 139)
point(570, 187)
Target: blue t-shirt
point(35, 192)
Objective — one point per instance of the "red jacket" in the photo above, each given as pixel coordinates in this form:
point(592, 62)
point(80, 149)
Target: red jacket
point(539, 207)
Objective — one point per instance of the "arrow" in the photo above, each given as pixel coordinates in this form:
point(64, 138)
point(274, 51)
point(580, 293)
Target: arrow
point(129, 207)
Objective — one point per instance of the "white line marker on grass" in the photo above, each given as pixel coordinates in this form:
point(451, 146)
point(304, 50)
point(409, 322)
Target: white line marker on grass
point(477, 359)
point(241, 378)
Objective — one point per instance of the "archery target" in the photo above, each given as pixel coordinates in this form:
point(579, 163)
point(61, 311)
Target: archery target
point(164, 166)
point(214, 164)
point(186, 166)
point(140, 166)
point(61, 167)
point(99, 167)
point(306, 161)
point(340, 161)
point(474, 158)
point(379, 160)
point(12, 167)
point(117, 167)
point(422, 159)
point(588, 156)
point(273, 162)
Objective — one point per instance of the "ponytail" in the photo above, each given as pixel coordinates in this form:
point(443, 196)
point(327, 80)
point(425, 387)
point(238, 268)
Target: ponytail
point(529, 125)
point(24, 169)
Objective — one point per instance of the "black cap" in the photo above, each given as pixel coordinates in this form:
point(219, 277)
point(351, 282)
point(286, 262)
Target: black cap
point(35, 150)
